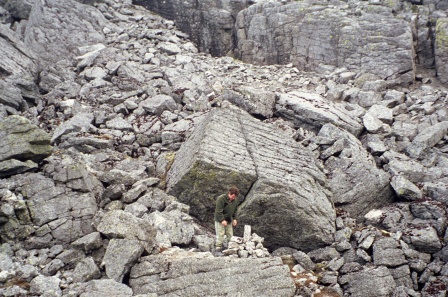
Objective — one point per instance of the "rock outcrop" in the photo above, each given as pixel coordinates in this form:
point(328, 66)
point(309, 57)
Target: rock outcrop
point(306, 35)
point(208, 23)
point(285, 199)
point(94, 217)
point(197, 274)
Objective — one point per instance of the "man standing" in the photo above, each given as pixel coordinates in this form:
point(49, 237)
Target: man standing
point(225, 216)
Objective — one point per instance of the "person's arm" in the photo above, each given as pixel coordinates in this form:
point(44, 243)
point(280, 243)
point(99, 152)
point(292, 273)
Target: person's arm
point(219, 210)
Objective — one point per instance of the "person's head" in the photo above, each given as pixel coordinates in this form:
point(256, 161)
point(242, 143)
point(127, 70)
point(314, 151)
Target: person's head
point(233, 193)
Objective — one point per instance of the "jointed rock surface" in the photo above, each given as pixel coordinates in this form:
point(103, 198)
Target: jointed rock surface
point(117, 135)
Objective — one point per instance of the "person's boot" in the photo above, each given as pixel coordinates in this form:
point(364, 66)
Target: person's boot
point(218, 252)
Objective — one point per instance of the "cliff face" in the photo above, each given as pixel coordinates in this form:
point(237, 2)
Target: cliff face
point(208, 23)
point(387, 39)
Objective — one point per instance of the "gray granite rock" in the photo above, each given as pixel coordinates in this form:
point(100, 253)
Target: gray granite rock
point(196, 274)
point(121, 255)
point(440, 49)
point(89, 242)
point(311, 111)
point(79, 123)
point(121, 224)
point(267, 33)
point(357, 184)
point(387, 252)
point(405, 189)
point(361, 283)
point(212, 168)
point(177, 226)
point(256, 101)
point(86, 270)
point(427, 139)
point(46, 22)
point(423, 238)
point(23, 140)
point(45, 286)
point(53, 267)
point(159, 103)
point(105, 288)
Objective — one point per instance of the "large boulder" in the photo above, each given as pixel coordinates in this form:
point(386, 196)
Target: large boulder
point(200, 274)
point(22, 141)
point(307, 34)
point(311, 111)
point(56, 28)
point(287, 204)
point(357, 184)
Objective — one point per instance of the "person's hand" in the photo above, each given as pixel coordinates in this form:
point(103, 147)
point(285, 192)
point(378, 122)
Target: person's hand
point(224, 223)
point(234, 223)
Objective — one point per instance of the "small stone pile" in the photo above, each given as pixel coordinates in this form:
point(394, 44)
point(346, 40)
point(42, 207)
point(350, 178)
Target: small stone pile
point(248, 246)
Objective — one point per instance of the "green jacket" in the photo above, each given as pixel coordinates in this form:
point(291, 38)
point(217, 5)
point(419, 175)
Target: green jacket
point(225, 209)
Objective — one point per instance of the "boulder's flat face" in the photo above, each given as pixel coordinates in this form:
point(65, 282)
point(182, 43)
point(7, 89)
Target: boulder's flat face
point(200, 274)
point(312, 111)
point(22, 144)
point(285, 199)
point(357, 184)
point(307, 34)
point(56, 28)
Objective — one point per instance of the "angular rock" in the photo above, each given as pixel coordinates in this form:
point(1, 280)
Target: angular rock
point(79, 123)
point(357, 184)
point(206, 166)
point(253, 100)
point(402, 276)
point(201, 274)
point(427, 139)
point(45, 286)
point(386, 252)
point(22, 140)
point(159, 103)
point(86, 270)
point(12, 167)
point(405, 189)
point(373, 124)
point(121, 254)
point(54, 266)
point(47, 22)
point(89, 242)
point(311, 111)
point(121, 224)
point(423, 239)
point(119, 124)
point(177, 226)
point(19, 70)
point(361, 283)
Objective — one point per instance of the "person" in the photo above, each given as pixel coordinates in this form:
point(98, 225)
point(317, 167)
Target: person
point(225, 216)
